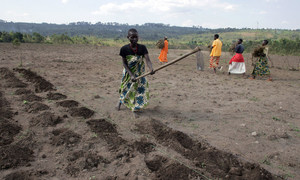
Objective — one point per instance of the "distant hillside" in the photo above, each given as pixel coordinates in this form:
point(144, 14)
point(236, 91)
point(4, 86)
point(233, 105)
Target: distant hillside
point(147, 31)
point(114, 34)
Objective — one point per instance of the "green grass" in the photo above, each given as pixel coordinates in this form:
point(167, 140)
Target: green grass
point(288, 175)
point(266, 161)
point(94, 135)
point(203, 165)
point(255, 99)
point(195, 126)
point(294, 128)
point(92, 177)
point(23, 134)
point(275, 118)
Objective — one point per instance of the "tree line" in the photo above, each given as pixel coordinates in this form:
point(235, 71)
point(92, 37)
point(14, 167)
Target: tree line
point(148, 31)
point(283, 46)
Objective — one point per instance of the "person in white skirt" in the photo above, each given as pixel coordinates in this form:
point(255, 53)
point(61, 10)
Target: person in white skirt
point(237, 62)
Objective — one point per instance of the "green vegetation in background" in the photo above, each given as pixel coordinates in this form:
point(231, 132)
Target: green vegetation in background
point(282, 42)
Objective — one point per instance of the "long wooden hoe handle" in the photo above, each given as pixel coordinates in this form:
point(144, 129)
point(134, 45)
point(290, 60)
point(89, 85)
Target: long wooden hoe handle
point(171, 62)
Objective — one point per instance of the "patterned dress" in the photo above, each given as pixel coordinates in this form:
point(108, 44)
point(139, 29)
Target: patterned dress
point(134, 95)
point(261, 67)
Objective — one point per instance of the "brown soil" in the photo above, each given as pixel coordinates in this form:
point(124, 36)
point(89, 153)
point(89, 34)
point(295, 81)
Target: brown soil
point(13, 156)
point(41, 85)
point(23, 91)
point(198, 125)
point(46, 119)
point(68, 103)
point(107, 131)
point(177, 171)
point(19, 175)
point(12, 81)
point(55, 96)
point(5, 109)
point(36, 106)
point(143, 146)
point(81, 112)
point(214, 161)
point(8, 131)
point(31, 98)
point(65, 137)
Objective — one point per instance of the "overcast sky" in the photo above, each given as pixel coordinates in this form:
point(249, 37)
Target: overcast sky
point(283, 14)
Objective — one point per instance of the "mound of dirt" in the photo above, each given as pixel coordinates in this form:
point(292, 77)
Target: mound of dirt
point(154, 163)
point(31, 98)
point(12, 156)
point(72, 170)
point(7, 132)
point(27, 139)
point(68, 103)
point(41, 85)
point(12, 80)
point(46, 119)
point(5, 110)
point(84, 162)
point(5, 73)
point(184, 140)
point(65, 137)
point(75, 155)
point(26, 175)
point(23, 91)
point(16, 84)
point(143, 146)
point(36, 107)
point(102, 126)
point(165, 169)
point(55, 96)
point(106, 131)
point(19, 175)
point(218, 163)
point(91, 161)
point(80, 161)
point(28, 74)
point(177, 171)
point(81, 112)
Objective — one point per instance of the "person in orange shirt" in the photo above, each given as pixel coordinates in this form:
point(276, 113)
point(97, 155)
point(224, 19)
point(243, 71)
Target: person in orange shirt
point(215, 54)
point(164, 51)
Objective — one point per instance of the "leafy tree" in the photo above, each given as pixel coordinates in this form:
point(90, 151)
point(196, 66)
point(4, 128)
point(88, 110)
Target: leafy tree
point(16, 42)
point(27, 38)
point(18, 35)
point(6, 37)
point(37, 38)
point(62, 38)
